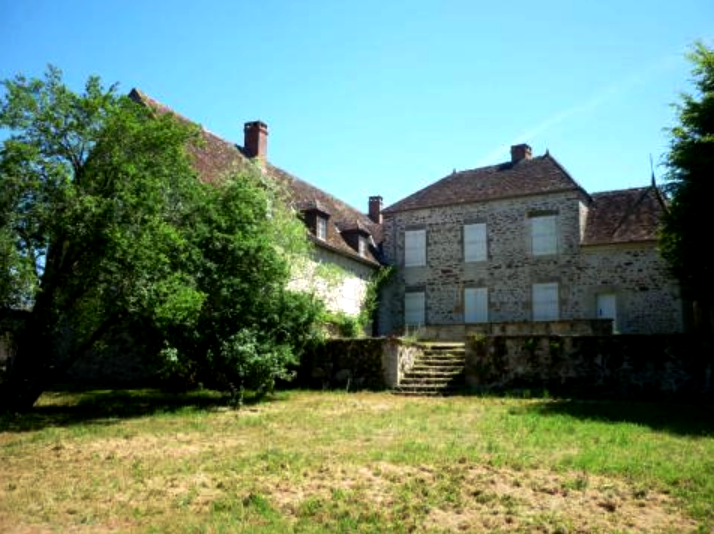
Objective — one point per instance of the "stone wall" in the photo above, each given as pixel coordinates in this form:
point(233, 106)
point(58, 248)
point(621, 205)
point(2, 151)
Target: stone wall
point(341, 283)
point(626, 366)
point(647, 296)
point(575, 327)
point(364, 363)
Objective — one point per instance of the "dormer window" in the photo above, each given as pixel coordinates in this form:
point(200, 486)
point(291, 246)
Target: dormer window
point(321, 228)
point(357, 236)
point(317, 219)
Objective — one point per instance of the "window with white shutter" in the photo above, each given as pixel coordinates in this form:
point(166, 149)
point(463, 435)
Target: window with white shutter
point(544, 235)
point(545, 302)
point(414, 248)
point(414, 309)
point(475, 244)
point(476, 305)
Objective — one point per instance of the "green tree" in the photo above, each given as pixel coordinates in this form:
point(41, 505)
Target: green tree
point(690, 186)
point(103, 222)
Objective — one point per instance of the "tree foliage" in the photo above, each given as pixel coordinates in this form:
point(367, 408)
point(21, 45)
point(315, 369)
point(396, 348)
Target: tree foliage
point(103, 220)
point(690, 163)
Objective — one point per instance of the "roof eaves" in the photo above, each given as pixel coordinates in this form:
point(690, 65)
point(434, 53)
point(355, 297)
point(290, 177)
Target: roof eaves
point(341, 252)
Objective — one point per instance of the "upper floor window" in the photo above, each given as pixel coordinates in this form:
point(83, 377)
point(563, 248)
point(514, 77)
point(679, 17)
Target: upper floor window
point(475, 244)
point(321, 228)
point(414, 248)
point(544, 235)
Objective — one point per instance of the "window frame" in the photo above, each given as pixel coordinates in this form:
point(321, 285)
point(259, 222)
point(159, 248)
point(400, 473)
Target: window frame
point(544, 234)
point(475, 251)
point(417, 259)
point(321, 228)
point(542, 310)
point(362, 246)
point(475, 317)
point(419, 296)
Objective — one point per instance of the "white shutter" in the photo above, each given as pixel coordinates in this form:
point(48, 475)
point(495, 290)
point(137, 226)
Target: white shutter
point(414, 306)
point(414, 248)
point(475, 248)
point(544, 236)
point(476, 305)
point(545, 302)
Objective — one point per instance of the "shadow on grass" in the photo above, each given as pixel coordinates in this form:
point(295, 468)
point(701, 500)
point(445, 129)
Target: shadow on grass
point(681, 419)
point(72, 405)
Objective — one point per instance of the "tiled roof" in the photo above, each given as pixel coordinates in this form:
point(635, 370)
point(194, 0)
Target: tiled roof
point(626, 216)
point(218, 157)
point(541, 174)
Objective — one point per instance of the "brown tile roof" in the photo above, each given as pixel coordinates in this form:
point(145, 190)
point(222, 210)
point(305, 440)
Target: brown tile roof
point(218, 157)
point(541, 174)
point(626, 216)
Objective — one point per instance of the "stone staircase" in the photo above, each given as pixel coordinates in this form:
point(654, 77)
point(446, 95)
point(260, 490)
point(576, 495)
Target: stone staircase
point(438, 371)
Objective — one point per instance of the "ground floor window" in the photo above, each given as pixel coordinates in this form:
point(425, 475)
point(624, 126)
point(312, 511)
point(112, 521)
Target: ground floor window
point(607, 308)
point(545, 302)
point(476, 305)
point(414, 308)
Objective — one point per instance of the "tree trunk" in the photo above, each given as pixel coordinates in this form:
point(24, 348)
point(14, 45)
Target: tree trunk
point(38, 363)
point(26, 377)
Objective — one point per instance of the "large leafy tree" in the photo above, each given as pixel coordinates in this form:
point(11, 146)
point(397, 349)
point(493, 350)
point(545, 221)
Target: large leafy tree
point(104, 223)
point(686, 234)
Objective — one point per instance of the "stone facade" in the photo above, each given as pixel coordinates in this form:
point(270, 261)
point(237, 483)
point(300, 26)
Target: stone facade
point(646, 296)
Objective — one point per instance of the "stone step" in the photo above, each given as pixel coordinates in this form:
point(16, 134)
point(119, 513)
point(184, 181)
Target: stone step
point(428, 390)
point(442, 359)
point(438, 371)
point(435, 371)
point(440, 355)
point(435, 379)
point(445, 346)
point(443, 349)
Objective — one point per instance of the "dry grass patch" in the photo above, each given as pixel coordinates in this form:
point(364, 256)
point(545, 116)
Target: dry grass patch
point(326, 462)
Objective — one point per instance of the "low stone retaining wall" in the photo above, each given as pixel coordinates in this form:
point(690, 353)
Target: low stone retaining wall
point(363, 363)
point(459, 332)
point(626, 366)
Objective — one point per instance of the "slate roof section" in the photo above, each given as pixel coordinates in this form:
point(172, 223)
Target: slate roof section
point(625, 216)
point(538, 175)
point(218, 157)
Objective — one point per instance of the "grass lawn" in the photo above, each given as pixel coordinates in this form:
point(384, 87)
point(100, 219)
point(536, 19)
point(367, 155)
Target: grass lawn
point(141, 461)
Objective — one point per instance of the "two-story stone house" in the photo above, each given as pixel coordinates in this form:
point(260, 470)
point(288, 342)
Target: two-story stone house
point(522, 241)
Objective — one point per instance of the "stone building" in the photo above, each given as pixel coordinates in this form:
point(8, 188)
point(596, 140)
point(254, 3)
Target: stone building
point(345, 240)
point(523, 242)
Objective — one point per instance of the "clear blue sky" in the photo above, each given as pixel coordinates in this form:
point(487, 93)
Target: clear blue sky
point(384, 97)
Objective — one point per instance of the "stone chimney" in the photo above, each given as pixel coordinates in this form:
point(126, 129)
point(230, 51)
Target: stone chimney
point(375, 209)
point(255, 141)
point(520, 152)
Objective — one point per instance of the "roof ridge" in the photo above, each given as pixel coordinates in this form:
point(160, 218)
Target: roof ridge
point(326, 193)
